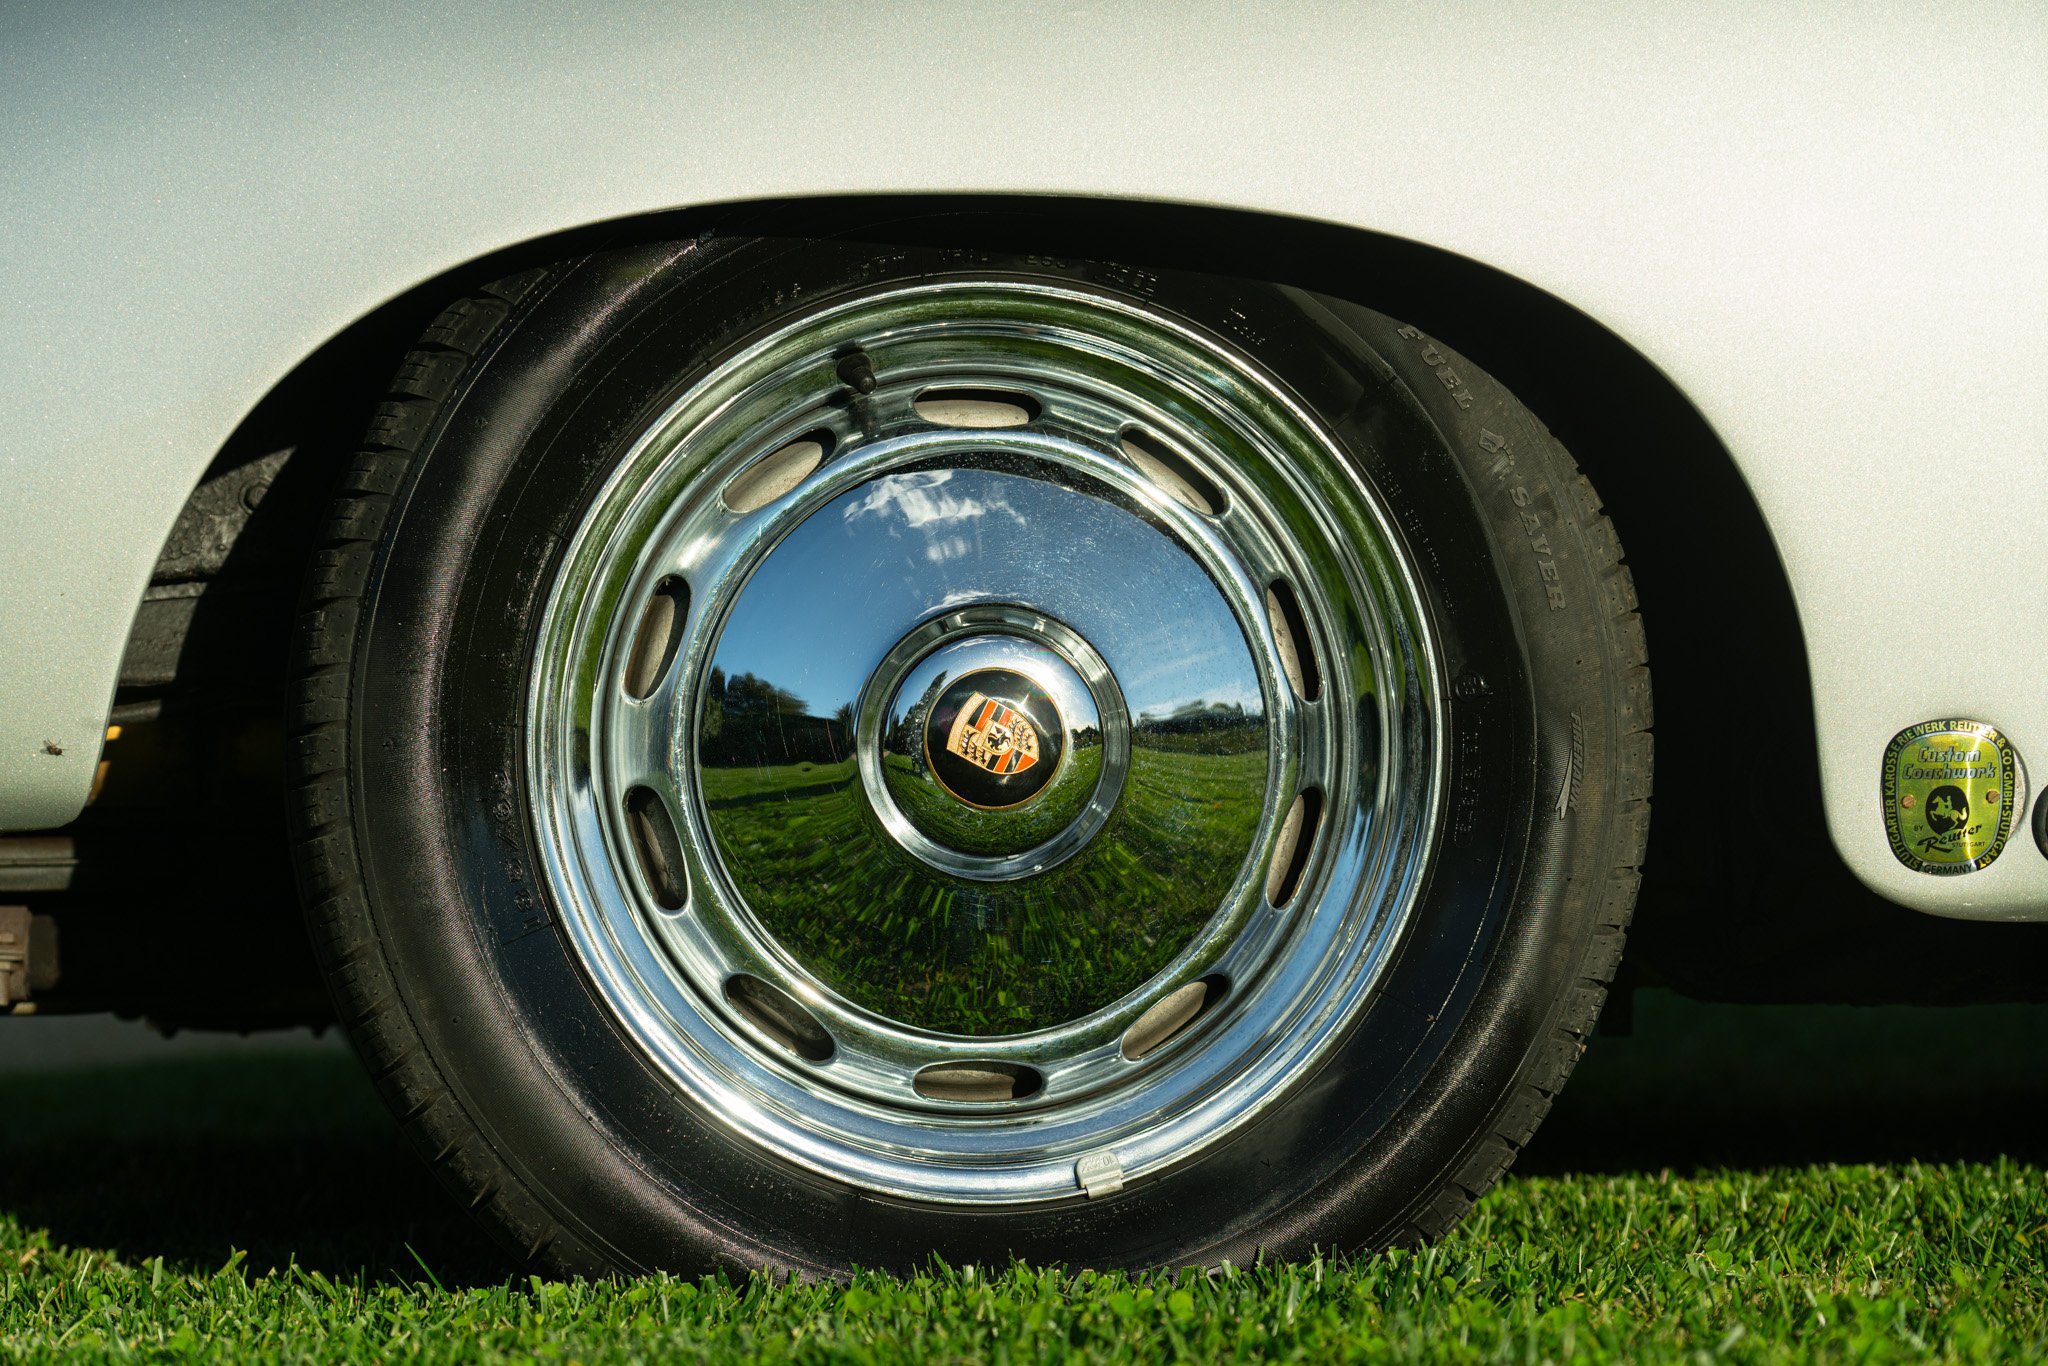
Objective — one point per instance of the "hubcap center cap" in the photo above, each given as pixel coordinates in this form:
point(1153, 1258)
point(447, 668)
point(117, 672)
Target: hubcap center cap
point(993, 743)
point(994, 739)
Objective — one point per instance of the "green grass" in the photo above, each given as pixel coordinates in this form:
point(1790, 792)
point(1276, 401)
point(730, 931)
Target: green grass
point(743, 784)
point(1729, 1184)
point(1932, 1263)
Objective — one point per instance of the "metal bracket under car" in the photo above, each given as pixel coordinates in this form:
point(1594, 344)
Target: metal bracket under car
point(28, 957)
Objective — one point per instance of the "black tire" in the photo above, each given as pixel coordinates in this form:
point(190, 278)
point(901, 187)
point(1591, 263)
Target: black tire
point(417, 862)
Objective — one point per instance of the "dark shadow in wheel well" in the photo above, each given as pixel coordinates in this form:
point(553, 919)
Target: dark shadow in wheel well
point(1741, 901)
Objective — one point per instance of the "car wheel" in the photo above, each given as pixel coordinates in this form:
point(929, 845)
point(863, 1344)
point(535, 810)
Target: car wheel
point(819, 753)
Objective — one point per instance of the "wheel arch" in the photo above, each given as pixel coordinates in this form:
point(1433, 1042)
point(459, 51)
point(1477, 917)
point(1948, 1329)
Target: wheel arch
point(1671, 485)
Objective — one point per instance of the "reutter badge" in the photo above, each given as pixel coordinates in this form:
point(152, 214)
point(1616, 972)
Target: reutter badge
point(1950, 790)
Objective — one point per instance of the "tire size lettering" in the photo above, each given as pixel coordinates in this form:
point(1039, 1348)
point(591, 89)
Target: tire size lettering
point(1501, 469)
point(1440, 365)
point(1139, 282)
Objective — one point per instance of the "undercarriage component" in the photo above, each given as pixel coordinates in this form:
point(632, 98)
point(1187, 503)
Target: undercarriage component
point(172, 890)
point(28, 957)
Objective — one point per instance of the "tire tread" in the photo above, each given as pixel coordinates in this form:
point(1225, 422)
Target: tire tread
point(345, 939)
point(1548, 1065)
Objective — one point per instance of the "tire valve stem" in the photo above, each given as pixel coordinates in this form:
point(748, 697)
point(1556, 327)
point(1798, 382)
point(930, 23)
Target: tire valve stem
point(857, 373)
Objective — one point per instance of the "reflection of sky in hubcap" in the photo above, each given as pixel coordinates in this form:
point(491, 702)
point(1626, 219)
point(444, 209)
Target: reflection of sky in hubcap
point(956, 537)
point(788, 811)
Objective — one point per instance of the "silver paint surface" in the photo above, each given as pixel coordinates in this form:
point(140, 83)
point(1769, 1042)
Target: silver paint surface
point(1829, 229)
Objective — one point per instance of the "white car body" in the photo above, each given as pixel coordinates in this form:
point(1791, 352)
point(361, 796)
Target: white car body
point(1828, 229)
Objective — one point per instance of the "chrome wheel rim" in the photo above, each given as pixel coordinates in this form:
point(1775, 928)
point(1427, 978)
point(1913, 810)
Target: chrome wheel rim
point(1207, 703)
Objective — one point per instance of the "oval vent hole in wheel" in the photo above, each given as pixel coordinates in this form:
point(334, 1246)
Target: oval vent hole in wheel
point(978, 1081)
point(1173, 472)
point(780, 1016)
point(654, 840)
point(1171, 1014)
point(1290, 634)
point(1297, 838)
point(982, 408)
point(661, 631)
point(776, 473)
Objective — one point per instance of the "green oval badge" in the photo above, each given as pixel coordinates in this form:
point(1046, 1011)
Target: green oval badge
point(1950, 790)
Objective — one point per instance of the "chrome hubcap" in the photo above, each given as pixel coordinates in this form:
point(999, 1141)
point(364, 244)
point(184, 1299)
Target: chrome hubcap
point(983, 741)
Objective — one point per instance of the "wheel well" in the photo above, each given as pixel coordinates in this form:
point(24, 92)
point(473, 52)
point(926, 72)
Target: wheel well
point(1719, 916)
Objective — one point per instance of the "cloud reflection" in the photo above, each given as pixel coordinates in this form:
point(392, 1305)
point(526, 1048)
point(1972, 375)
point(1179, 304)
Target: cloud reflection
point(921, 501)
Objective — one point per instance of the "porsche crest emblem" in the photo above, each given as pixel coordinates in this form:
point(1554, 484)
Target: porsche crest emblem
point(993, 734)
point(994, 738)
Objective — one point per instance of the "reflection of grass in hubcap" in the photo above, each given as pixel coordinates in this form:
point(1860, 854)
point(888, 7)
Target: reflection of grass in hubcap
point(960, 826)
point(989, 959)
